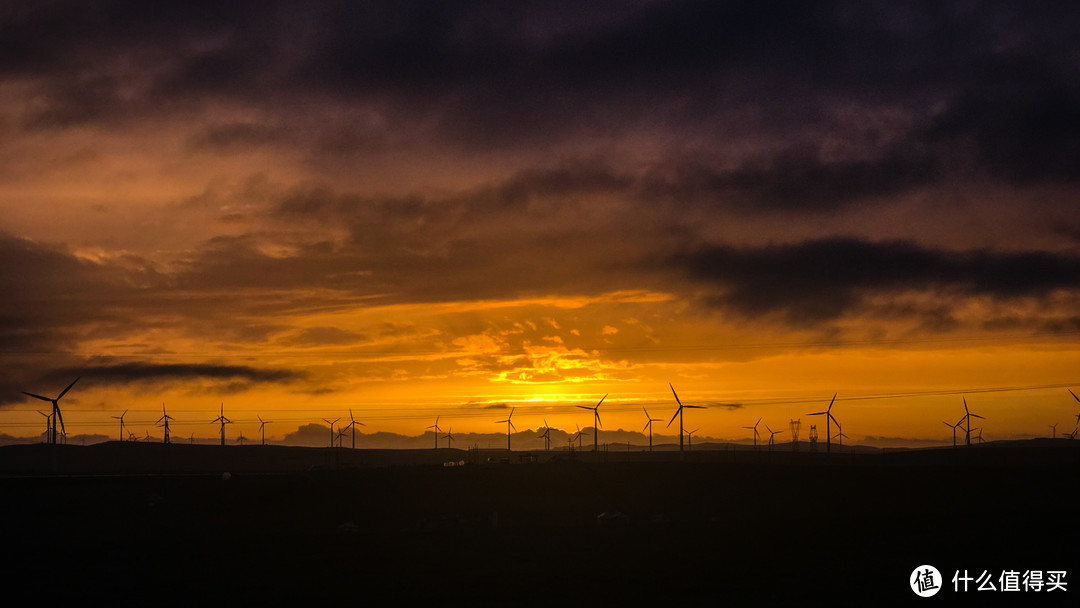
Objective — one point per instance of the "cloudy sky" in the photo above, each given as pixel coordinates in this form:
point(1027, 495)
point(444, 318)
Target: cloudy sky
point(419, 209)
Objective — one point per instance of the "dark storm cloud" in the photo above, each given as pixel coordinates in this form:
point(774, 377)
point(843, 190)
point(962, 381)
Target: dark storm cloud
point(125, 373)
point(820, 280)
point(1000, 75)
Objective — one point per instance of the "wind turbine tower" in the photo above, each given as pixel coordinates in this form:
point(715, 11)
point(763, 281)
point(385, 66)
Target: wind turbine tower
point(352, 425)
point(437, 431)
point(754, 428)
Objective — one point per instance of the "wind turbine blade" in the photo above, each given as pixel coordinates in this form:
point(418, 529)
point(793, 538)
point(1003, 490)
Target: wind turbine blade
point(676, 415)
point(1073, 394)
point(60, 417)
point(977, 416)
point(511, 425)
point(965, 406)
point(602, 399)
point(676, 394)
point(831, 402)
point(818, 414)
point(599, 423)
point(68, 388)
point(584, 407)
point(38, 396)
point(758, 422)
point(696, 407)
point(646, 413)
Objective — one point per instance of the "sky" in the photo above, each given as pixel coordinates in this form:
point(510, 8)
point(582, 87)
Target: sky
point(421, 209)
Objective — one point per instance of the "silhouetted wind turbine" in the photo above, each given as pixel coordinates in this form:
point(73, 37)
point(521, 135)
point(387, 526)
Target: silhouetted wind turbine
point(449, 436)
point(56, 415)
point(352, 425)
point(437, 431)
point(828, 427)
point(841, 436)
point(596, 421)
point(1053, 427)
point(164, 422)
point(509, 425)
point(132, 436)
point(772, 434)
point(968, 416)
point(578, 436)
point(547, 437)
point(223, 420)
point(48, 425)
point(262, 428)
point(679, 414)
point(1078, 401)
point(690, 440)
point(648, 425)
point(754, 428)
point(332, 429)
point(121, 419)
point(953, 427)
point(240, 438)
point(149, 437)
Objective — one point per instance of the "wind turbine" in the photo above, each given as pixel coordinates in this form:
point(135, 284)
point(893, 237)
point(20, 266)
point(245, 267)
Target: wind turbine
point(968, 416)
point(331, 429)
point(690, 439)
point(841, 436)
point(648, 425)
point(240, 438)
point(437, 430)
point(56, 415)
point(547, 437)
point(121, 419)
point(449, 436)
point(262, 428)
point(828, 427)
point(132, 436)
point(223, 420)
point(48, 425)
point(578, 436)
point(352, 425)
point(509, 425)
point(596, 420)
point(1078, 401)
point(754, 428)
point(1054, 429)
point(953, 427)
point(164, 421)
point(149, 437)
point(679, 414)
point(772, 433)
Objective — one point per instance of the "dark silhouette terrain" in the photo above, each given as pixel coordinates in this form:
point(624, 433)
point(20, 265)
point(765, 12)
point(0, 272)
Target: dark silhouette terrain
point(296, 525)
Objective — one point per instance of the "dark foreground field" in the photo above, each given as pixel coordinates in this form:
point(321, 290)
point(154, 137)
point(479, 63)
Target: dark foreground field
point(811, 531)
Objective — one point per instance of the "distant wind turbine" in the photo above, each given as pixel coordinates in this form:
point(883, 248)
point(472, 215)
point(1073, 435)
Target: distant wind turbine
point(223, 420)
point(1053, 428)
point(449, 436)
point(121, 419)
point(596, 421)
point(437, 431)
point(262, 427)
point(679, 415)
point(953, 427)
point(968, 416)
point(352, 425)
point(772, 434)
point(648, 425)
point(56, 415)
point(547, 437)
point(754, 428)
point(509, 425)
point(690, 440)
point(331, 429)
point(164, 422)
point(828, 427)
